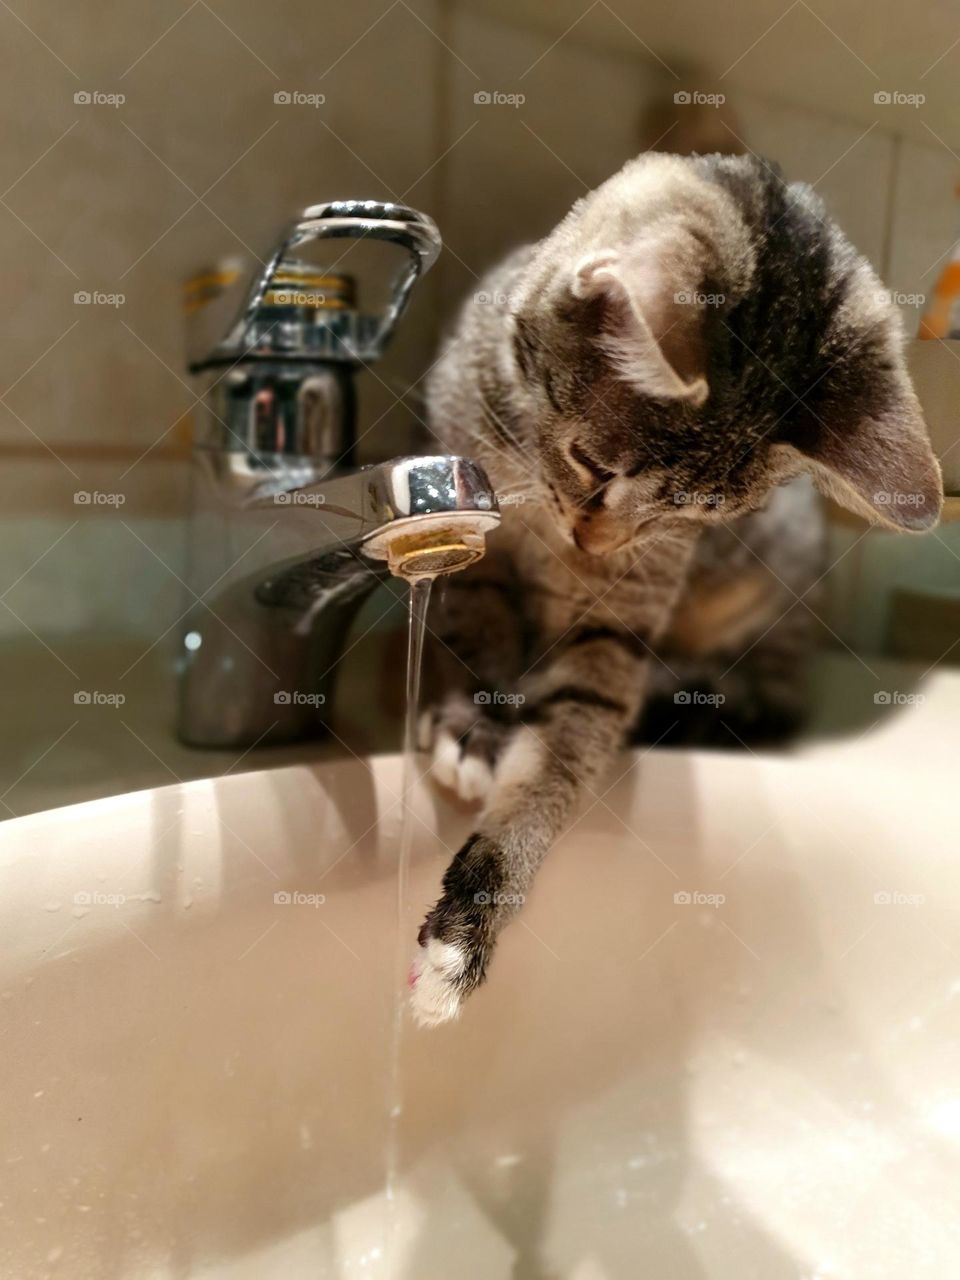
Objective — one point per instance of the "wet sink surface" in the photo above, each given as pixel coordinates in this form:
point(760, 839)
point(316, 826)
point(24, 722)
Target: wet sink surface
point(722, 1041)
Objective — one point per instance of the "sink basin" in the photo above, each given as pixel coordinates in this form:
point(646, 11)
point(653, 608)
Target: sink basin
point(723, 1039)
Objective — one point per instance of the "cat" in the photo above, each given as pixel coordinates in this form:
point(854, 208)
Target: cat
point(654, 389)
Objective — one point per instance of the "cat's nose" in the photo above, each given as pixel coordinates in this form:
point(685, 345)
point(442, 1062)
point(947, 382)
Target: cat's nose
point(598, 536)
point(601, 532)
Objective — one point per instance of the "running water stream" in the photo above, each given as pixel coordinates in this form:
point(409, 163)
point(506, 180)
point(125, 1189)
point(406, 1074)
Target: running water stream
point(419, 603)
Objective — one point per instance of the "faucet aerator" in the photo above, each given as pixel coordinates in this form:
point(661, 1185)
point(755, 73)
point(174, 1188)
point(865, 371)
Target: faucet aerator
point(417, 561)
point(423, 547)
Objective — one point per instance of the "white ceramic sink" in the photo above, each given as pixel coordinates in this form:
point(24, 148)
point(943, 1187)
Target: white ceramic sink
point(195, 1074)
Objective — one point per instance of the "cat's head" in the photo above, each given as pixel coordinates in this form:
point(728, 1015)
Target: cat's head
point(696, 332)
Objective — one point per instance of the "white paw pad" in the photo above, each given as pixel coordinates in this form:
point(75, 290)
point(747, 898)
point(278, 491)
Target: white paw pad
point(435, 996)
point(467, 776)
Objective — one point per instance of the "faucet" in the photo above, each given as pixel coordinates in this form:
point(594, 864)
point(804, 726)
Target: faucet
point(287, 539)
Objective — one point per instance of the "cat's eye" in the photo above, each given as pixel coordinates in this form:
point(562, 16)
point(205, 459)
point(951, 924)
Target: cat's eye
point(602, 474)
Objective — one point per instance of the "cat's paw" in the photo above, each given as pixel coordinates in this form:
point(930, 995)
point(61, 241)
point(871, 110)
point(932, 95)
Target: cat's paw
point(435, 986)
point(458, 936)
point(459, 769)
point(466, 744)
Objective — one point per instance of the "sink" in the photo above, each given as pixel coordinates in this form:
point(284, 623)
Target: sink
point(722, 1040)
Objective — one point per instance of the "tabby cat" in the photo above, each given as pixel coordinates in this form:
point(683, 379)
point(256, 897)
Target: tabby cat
point(654, 390)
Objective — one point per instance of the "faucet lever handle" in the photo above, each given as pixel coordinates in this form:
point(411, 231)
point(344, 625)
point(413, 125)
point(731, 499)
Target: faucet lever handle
point(286, 315)
point(376, 220)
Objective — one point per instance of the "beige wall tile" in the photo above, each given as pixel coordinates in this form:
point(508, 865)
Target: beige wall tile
point(925, 220)
point(91, 546)
point(850, 165)
point(514, 171)
point(113, 206)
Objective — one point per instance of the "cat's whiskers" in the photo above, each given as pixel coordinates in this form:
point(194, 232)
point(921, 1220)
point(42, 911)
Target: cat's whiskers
point(481, 449)
point(520, 487)
point(505, 433)
point(473, 433)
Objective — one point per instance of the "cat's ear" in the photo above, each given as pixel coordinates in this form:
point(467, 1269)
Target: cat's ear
point(879, 465)
point(653, 320)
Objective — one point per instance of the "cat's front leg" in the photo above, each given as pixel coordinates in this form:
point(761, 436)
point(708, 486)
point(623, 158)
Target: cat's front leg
point(476, 646)
point(572, 725)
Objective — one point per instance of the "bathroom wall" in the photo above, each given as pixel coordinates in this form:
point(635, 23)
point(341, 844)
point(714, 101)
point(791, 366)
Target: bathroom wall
point(197, 161)
point(200, 160)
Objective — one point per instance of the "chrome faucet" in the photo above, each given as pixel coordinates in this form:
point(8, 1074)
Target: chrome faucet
point(286, 540)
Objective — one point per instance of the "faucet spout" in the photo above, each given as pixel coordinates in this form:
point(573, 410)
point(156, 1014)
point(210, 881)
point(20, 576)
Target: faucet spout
point(424, 516)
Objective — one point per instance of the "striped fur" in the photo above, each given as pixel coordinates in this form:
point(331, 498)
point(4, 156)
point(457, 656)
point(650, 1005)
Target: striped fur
point(651, 389)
